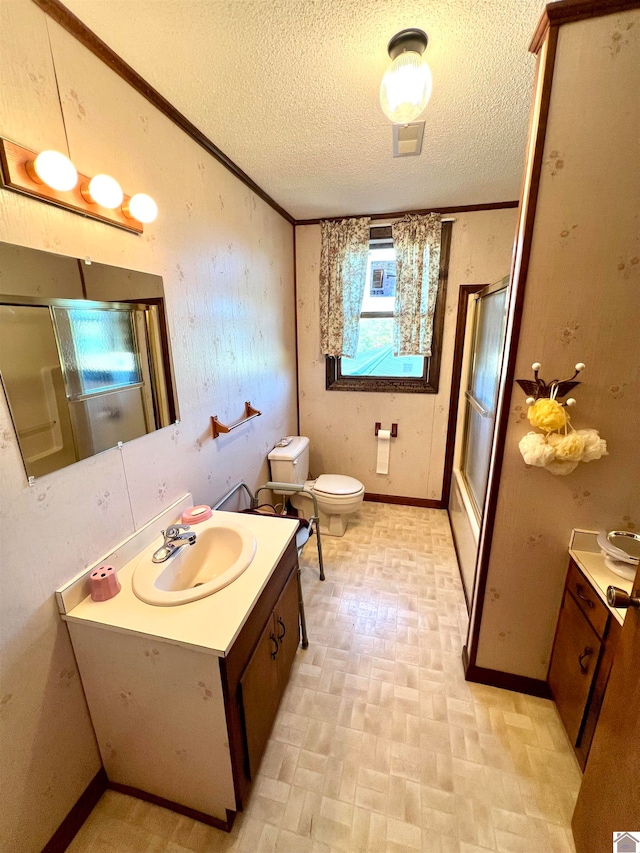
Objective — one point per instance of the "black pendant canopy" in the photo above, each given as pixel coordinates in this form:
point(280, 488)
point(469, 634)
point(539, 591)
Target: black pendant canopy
point(411, 39)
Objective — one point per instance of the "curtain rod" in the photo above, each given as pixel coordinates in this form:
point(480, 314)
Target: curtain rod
point(381, 223)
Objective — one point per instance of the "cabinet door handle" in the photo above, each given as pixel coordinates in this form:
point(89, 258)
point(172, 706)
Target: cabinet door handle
point(619, 598)
point(588, 651)
point(274, 653)
point(584, 598)
point(284, 630)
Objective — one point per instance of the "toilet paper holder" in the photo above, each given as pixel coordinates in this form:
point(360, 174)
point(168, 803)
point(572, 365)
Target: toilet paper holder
point(394, 429)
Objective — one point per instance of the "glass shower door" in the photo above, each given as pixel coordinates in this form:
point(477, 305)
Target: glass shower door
point(482, 390)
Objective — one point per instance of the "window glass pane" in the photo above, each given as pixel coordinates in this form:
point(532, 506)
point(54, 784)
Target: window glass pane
point(375, 353)
point(98, 349)
point(379, 294)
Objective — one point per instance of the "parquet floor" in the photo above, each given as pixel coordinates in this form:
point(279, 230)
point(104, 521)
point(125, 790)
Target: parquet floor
point(379, 744)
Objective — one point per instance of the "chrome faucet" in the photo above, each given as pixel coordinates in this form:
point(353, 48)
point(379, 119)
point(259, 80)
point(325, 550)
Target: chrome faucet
point(173, 541)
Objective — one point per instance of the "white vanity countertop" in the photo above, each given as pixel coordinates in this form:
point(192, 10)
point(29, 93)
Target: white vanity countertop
point(210, 624)
point(585, 550)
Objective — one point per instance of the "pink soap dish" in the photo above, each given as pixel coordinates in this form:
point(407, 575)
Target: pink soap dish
point(104, 583)
point(196, 514)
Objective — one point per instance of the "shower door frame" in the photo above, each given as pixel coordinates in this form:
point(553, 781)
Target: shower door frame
point(465, 293)
point(488, 290)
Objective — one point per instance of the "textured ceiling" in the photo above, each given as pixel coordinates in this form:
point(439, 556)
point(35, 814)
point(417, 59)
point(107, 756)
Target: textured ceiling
point(288, 89)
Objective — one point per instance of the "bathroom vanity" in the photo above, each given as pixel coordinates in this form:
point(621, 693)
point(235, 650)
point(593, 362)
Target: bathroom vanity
point(182, 698)
point(585, 642)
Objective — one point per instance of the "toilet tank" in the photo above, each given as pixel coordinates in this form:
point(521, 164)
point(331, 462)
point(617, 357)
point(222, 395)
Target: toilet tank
point(290, 464)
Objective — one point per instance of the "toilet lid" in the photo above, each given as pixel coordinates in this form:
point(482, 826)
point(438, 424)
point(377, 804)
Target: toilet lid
point(337, 484)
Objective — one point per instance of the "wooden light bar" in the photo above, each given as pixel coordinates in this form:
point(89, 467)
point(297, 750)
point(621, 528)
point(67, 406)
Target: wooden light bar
point(14, 176)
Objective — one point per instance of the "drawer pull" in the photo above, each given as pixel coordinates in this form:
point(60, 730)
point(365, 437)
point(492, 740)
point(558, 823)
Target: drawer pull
point(284, 630)
point(582, 597)
point(588, 651)
point(274, 653)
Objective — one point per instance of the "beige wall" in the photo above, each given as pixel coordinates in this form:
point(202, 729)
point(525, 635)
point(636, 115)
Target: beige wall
point(227, 263)
point(582, 303)
point(341, 424)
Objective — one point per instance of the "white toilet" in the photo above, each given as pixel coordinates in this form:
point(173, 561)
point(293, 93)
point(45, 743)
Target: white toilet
point(338, 496)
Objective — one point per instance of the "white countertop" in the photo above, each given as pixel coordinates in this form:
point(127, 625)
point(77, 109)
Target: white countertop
point(210, 624)
point(585, 550)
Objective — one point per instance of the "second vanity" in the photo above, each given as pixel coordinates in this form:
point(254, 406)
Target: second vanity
point(586, 639)
point(182, 698)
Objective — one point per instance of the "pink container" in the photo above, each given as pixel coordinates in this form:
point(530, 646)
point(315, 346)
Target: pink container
point(196, 514)
point(104, 583)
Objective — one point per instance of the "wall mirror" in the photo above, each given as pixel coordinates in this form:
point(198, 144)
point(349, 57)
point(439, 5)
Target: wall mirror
point(85, 361)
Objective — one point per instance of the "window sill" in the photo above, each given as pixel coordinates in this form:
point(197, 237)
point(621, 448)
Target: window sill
point(378, 384)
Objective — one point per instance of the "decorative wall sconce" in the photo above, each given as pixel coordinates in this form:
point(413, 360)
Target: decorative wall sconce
point(52, 177)
point(560, 447)
point(406, 86)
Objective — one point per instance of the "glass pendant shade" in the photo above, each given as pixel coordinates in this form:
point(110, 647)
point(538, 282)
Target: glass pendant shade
point(141, 207)
point(406, 88)
point(55, 170)
point(105, 191)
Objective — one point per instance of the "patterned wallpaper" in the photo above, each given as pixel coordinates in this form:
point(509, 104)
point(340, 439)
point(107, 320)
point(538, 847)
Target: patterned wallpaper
point(341, 424)
point(227, 263)
point(581, 304)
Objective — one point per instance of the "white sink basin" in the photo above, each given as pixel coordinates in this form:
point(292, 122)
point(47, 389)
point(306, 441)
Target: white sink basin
point(220, 554)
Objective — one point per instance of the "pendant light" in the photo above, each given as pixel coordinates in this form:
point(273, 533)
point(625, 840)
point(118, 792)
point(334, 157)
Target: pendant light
point(406, 85)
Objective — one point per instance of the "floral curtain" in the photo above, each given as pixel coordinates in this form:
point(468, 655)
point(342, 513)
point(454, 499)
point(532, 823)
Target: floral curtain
point(343, 272)
point(416, 240)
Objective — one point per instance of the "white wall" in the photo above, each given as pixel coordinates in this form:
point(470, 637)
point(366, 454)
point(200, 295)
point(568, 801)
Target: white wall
point(227, 263)
point(341, 424)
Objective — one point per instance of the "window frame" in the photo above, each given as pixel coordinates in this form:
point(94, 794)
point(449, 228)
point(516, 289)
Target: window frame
point(428, 383)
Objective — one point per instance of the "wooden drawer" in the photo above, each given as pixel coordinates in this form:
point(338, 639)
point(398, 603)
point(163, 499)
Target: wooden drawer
point(574, 662)
point(587, 600)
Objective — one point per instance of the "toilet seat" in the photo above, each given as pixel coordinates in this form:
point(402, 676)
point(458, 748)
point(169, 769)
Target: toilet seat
point(337, 485)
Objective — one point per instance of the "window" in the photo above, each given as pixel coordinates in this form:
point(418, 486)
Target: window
point(374, 367)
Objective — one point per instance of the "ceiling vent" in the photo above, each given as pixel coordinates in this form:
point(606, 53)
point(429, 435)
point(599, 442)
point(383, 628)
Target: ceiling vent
point(407, 139)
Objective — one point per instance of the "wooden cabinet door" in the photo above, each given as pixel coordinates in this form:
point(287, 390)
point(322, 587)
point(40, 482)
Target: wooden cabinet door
point(260, 696)
point(609, 798)
point(287, 616)
point(574, 661)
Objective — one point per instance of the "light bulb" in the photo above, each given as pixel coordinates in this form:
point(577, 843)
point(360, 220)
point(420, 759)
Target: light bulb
point(53, 169)
point(405, 88)
point(141, 207)
point(103, 190)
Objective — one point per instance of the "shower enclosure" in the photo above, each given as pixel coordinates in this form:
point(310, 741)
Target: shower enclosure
point(481, 368)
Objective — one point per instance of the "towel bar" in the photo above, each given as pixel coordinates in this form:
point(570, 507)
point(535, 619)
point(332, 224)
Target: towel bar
point(218, 428)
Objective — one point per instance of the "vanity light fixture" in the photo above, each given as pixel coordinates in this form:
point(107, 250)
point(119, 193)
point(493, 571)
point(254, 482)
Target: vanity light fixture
point(406, 86)
point(53, 169)
point(51, 176)
point(103, 190)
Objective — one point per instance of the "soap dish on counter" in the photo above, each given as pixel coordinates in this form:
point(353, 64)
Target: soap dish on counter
point(621, 551)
